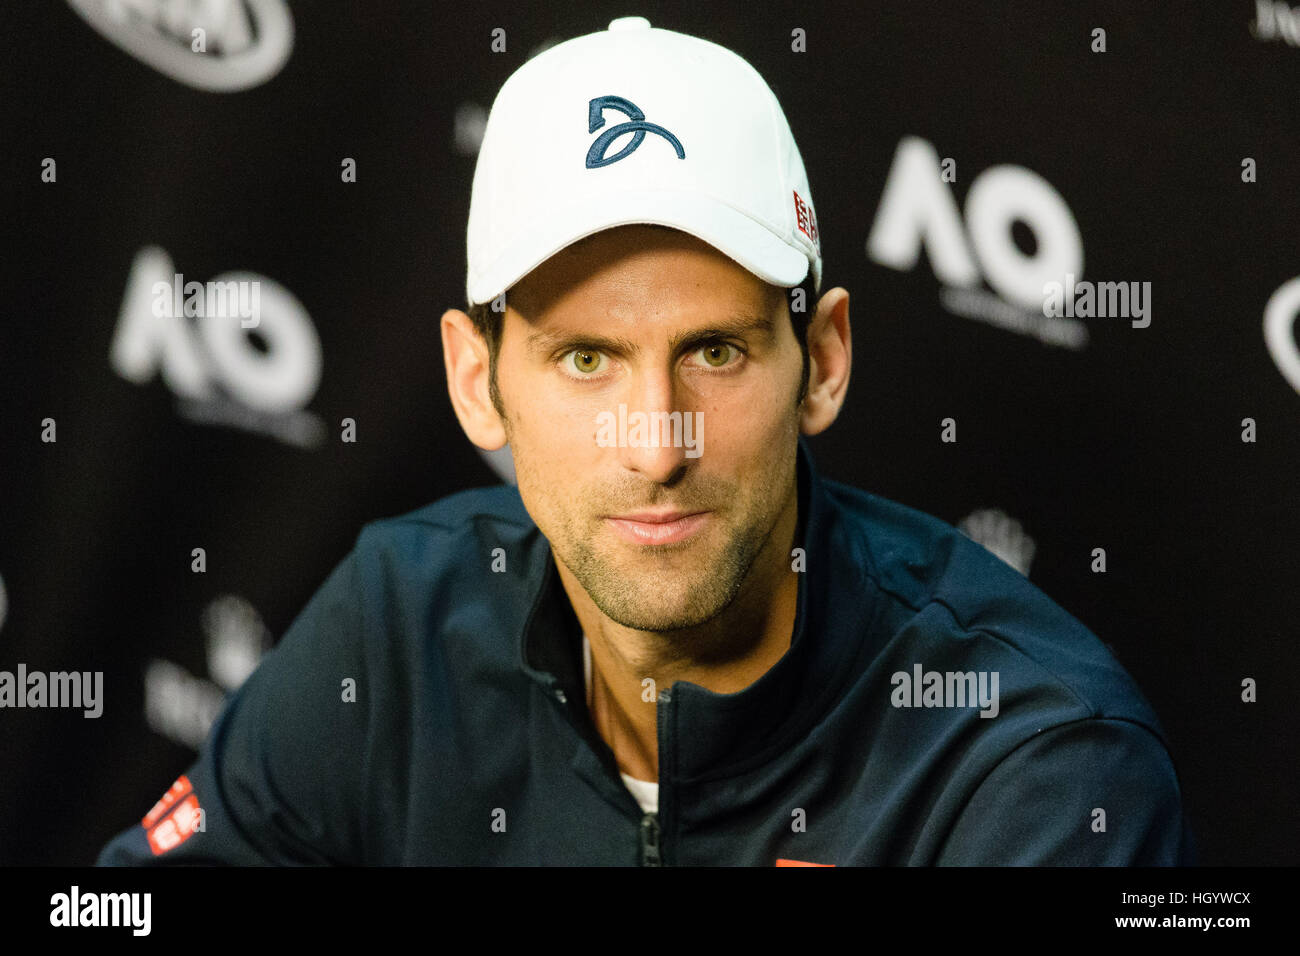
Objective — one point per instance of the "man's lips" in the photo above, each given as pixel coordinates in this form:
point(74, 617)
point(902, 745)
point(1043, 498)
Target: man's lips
point(663, 527)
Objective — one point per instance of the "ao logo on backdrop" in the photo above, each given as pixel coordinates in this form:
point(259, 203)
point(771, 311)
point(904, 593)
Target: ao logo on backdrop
point(1279, 330)
point(918, 209)
point(217, 45)
point(213, 364)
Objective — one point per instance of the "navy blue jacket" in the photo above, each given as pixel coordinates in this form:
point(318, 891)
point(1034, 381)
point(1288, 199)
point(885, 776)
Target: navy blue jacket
point(468, 739)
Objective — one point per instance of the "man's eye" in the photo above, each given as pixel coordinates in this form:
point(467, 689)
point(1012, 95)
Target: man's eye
point(718, 354)
point(585, 361)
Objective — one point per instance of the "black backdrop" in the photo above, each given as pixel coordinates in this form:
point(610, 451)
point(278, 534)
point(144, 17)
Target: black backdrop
point(1108, 436)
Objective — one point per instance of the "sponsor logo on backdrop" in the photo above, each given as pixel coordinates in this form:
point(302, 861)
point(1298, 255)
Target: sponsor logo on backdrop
point(966, 251)
point(1001, 534)
point(215, 45)
point(1275, 20)
point(247, 358)
point(1279, 330)
point(182, 707)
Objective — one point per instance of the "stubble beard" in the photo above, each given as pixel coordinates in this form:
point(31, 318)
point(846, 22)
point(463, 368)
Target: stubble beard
point(668, 593)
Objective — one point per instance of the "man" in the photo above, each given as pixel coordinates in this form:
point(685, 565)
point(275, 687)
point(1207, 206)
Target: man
point(674, 642)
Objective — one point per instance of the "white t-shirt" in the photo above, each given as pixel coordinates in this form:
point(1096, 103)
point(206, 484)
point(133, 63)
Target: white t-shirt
point(646, 792)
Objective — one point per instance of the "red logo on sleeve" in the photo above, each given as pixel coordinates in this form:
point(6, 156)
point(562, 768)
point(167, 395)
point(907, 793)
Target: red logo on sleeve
point(174, 793)
point(174, 818)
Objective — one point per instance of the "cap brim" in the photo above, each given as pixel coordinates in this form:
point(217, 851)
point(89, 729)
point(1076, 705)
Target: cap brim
point(751, 244)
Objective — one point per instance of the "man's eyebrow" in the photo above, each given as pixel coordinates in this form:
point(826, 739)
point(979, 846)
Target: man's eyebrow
point(733, 326)
point(548, 341)
point(738, 324)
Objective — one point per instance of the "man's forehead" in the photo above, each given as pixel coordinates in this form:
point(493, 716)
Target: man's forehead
point(651, 311)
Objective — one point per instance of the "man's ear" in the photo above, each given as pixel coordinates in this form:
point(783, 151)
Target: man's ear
point(468, 378)
point(830, 355)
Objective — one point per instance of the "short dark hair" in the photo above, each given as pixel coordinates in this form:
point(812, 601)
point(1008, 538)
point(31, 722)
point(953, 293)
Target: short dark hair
point(489, 324)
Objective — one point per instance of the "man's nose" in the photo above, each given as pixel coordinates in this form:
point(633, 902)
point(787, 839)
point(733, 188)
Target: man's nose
point(655, 448)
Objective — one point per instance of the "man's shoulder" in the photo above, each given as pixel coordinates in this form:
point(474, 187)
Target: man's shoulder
point(954, 600)
point(488, 514)
point(454, 512)
point(455, 576)
point(447, 550)
point(919, 559)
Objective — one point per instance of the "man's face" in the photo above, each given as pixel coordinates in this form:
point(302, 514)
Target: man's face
point(657, 321)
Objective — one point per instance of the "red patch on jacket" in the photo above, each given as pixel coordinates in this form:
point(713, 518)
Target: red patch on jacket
point(800, 863)
point(174, 818)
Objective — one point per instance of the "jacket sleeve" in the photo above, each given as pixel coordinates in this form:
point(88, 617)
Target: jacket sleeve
point(1094, 792)
point(280, 779)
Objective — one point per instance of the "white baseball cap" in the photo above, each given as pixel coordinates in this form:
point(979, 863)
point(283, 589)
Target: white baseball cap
point(636, 124)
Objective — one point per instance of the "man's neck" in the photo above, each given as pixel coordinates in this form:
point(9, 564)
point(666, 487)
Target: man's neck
point(724, 655)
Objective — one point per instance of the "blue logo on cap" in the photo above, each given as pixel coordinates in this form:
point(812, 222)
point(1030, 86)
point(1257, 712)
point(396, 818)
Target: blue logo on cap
point(596, 155)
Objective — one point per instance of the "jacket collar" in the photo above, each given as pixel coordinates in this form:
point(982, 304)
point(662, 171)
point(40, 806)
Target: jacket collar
point(717, 735)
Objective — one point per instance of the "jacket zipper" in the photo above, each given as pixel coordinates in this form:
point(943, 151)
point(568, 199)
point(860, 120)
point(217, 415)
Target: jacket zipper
point(652, 824)
point(649, 829)
point(650, 840)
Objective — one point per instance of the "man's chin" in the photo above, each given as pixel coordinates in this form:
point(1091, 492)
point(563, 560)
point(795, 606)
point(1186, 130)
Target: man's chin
point(657, 620)
point(658, 602)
